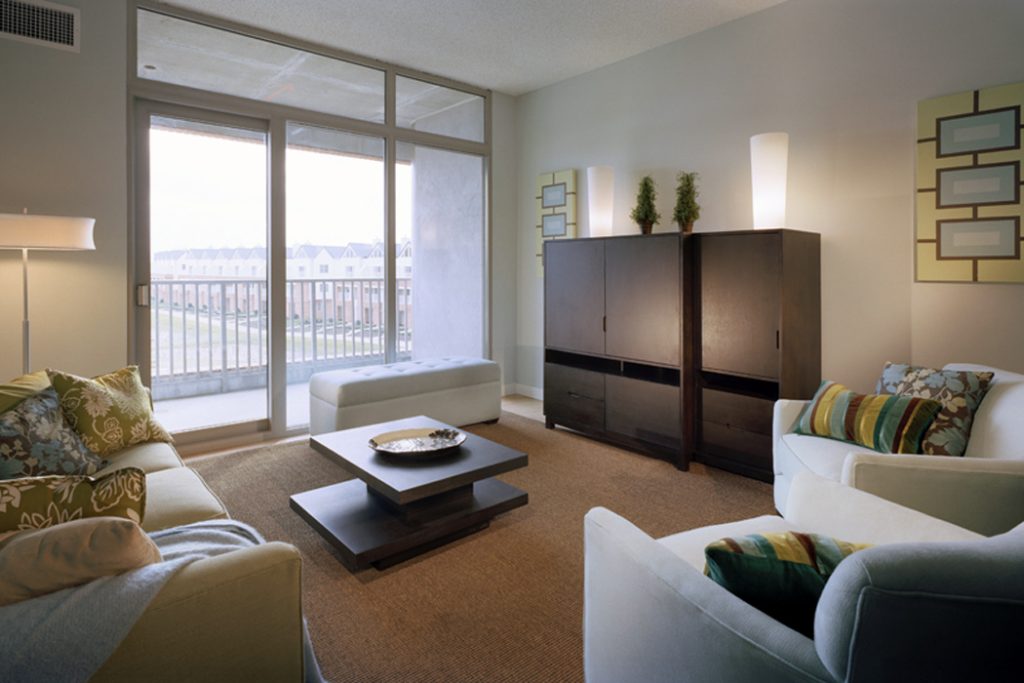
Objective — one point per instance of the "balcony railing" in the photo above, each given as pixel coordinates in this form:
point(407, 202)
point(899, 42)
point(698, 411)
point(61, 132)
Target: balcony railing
point(210, 336)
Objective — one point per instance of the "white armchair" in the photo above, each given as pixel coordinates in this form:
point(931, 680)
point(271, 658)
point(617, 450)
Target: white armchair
point(651, 615)
point(982, 491)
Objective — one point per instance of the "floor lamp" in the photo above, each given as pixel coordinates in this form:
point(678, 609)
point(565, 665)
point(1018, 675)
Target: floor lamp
point(59, 233)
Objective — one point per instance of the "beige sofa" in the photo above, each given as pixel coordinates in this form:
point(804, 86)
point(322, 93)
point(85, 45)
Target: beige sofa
point(236, 616)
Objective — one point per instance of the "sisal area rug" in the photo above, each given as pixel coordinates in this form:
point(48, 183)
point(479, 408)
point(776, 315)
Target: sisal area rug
point(504, 604)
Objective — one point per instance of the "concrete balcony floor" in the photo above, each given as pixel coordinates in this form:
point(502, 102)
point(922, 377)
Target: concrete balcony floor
point(214, 410)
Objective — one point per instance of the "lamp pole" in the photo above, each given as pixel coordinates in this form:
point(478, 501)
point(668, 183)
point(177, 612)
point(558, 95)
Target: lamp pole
point(25, 363)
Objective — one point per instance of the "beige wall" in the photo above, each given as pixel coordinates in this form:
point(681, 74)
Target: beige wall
point(843, 78)
point(63, 150)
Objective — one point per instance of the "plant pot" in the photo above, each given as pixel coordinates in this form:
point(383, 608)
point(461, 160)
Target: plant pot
point(686, 228)
point(645, 228)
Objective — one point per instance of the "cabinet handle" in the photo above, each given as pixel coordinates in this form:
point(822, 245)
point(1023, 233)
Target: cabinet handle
point(573, 394)
point(604, 323)
point(776, 340)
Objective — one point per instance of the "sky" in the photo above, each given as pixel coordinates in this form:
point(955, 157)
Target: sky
point(210, 191)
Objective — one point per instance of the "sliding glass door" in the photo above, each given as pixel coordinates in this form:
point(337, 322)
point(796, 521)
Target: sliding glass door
point(336, 303)
point(205, 247)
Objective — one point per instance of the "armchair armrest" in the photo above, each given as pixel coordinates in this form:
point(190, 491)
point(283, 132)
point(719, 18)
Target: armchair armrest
point(824, 506)
point(982, 494)
point(650, 616)
point(236, 616)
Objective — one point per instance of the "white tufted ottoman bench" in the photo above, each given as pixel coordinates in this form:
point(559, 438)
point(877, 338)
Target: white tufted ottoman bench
point(459, 391)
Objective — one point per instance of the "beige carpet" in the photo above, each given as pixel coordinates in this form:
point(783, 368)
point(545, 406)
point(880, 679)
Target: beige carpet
point(504, 604)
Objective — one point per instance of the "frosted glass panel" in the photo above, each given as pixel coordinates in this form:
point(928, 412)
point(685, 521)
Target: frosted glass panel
point(185, 53)
point(437, 109)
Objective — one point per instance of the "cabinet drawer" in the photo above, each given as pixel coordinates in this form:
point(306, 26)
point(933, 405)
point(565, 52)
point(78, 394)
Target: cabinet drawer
point(562, 379)
point(737, 411)
point(643, 410)
point(737, 428)
point(740, 446)
point(574, 396)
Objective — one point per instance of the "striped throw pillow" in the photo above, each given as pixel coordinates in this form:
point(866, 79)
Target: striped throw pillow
point(781, 574)
point(885, 423)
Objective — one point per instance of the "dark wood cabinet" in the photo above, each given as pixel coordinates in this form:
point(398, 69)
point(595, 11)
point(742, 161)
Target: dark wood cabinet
point(612, 312)
point(679, 345)
point(758, 302)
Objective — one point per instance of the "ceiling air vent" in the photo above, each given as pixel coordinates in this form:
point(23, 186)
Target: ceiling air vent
point(41, 23)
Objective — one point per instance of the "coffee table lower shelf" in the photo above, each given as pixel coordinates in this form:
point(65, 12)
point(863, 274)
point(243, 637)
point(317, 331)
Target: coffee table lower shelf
point(367, 532)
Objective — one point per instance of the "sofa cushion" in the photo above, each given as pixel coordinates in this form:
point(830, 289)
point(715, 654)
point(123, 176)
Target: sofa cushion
point(18, 389)
point(179, 496)
point(781, 574)
point(39, 502)
point(885, 423)
point(959, 391)
point(148, 457)
point(41, 561)
point(35, 440)
point(111, 411)
point(998, 430)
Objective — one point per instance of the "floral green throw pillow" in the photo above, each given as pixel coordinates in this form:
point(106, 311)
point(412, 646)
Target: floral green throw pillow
point(41, 502)
point(959, 391)
point(111, 412)
point(35, 440)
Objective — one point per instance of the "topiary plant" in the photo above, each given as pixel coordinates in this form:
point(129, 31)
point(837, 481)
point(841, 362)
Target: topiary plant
point(644, 213)
point(687, 209)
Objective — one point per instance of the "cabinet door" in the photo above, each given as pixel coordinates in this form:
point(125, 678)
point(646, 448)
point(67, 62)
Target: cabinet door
point(739, 304)
point(574, 295)
point(642, 291)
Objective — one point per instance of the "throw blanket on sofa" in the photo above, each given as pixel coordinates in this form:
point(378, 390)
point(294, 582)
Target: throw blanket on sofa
point(68, 635)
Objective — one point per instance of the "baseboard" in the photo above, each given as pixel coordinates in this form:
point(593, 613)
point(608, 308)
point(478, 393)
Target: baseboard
point(527, 390)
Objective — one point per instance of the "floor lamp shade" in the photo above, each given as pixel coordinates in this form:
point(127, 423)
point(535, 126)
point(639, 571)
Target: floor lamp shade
point(23, 231)
point(769, 156)
point(601, 199)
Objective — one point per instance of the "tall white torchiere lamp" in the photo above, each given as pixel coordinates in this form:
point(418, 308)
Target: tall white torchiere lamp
point(601, 198)
point(769, 156)
point(58, 233)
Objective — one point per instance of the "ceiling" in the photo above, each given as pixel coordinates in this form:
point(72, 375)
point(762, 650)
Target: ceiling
point(511, 46)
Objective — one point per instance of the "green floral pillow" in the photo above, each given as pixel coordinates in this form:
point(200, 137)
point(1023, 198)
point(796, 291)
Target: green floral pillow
point(41, 502)
point(111, 412)
point(35, 440)
point(959, 391)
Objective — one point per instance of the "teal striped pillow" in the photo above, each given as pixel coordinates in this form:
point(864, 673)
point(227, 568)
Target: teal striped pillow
point(885, 423)
point(782, 574)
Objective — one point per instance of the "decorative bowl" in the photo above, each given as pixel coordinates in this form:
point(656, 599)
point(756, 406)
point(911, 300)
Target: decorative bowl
point(427, 442)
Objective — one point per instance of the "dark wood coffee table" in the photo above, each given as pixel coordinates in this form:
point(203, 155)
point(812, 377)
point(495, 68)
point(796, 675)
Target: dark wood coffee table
point(398, 507)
